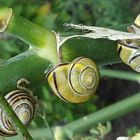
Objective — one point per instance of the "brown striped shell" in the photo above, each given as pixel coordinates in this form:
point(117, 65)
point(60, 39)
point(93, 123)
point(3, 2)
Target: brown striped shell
point(24, 106)
point(74, 82)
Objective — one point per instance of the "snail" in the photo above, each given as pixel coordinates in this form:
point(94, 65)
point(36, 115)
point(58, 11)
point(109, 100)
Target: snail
point(129, 54)
point(24, 105)
point(129, 50)
point(76, 81)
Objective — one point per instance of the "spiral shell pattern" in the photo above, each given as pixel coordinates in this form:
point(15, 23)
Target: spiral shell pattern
point(74, 82)
point(24, 106)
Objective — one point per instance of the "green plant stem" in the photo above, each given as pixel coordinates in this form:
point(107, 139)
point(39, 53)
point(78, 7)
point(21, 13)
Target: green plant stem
point(42, 43)
point(42, 52)
point(12, 117)
point(29, 65)
point(85, 123)
point(35, 36)
point(29, 32)
point(133, 76)
point(109, 113)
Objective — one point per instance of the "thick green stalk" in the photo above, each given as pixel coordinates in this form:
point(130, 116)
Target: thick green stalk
point(42, 44)
point(32, 63)
point(29, 65)
point(35, 36)
point(29, 32)
point(85, 123)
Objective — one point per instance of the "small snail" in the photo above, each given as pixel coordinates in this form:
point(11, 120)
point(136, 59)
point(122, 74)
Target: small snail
point(24, 105)
point(129, 51)
point(76, 81)
point(130, 55)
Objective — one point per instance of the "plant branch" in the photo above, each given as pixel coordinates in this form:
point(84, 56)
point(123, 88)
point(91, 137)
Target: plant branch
point(35, 36)
point(30, 65)
point(27, 31)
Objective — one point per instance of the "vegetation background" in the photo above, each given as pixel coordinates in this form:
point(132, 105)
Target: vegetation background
point(53, 14)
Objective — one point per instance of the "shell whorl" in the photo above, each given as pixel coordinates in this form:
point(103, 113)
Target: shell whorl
point(74, 82)
point(130, 55)
point(24, 106)
point(83, 71)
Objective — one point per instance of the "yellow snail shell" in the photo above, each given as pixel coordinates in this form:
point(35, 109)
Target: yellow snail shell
point(130, 55)
point(24, 106)
point(129, 51)
point(74, 82)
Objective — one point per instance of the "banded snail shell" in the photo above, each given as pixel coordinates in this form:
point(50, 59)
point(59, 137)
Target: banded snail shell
point(129, 51)
point(74, 82)
point(137, 21)
point(130, 55)
point(24, 106)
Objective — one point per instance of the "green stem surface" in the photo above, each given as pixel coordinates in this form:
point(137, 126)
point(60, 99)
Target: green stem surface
point(35, 36)
point(108, 113)
point(32, 63)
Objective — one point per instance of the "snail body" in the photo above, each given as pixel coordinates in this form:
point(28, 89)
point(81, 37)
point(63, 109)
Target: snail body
point(24, 105)
point(129, 50)
point(76, 81)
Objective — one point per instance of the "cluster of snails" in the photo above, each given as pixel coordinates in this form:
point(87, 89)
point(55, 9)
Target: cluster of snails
point(24, 105)
point(73, 82)
point(129, 51)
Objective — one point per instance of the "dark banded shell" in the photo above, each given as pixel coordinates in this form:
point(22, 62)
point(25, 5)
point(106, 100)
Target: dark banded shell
point(130, 52)
point(134, 61)
point(24, 106)
point(125, 51)
point(74, 82)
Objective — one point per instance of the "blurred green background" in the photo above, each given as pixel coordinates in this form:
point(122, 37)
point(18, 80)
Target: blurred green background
point(53, 14)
